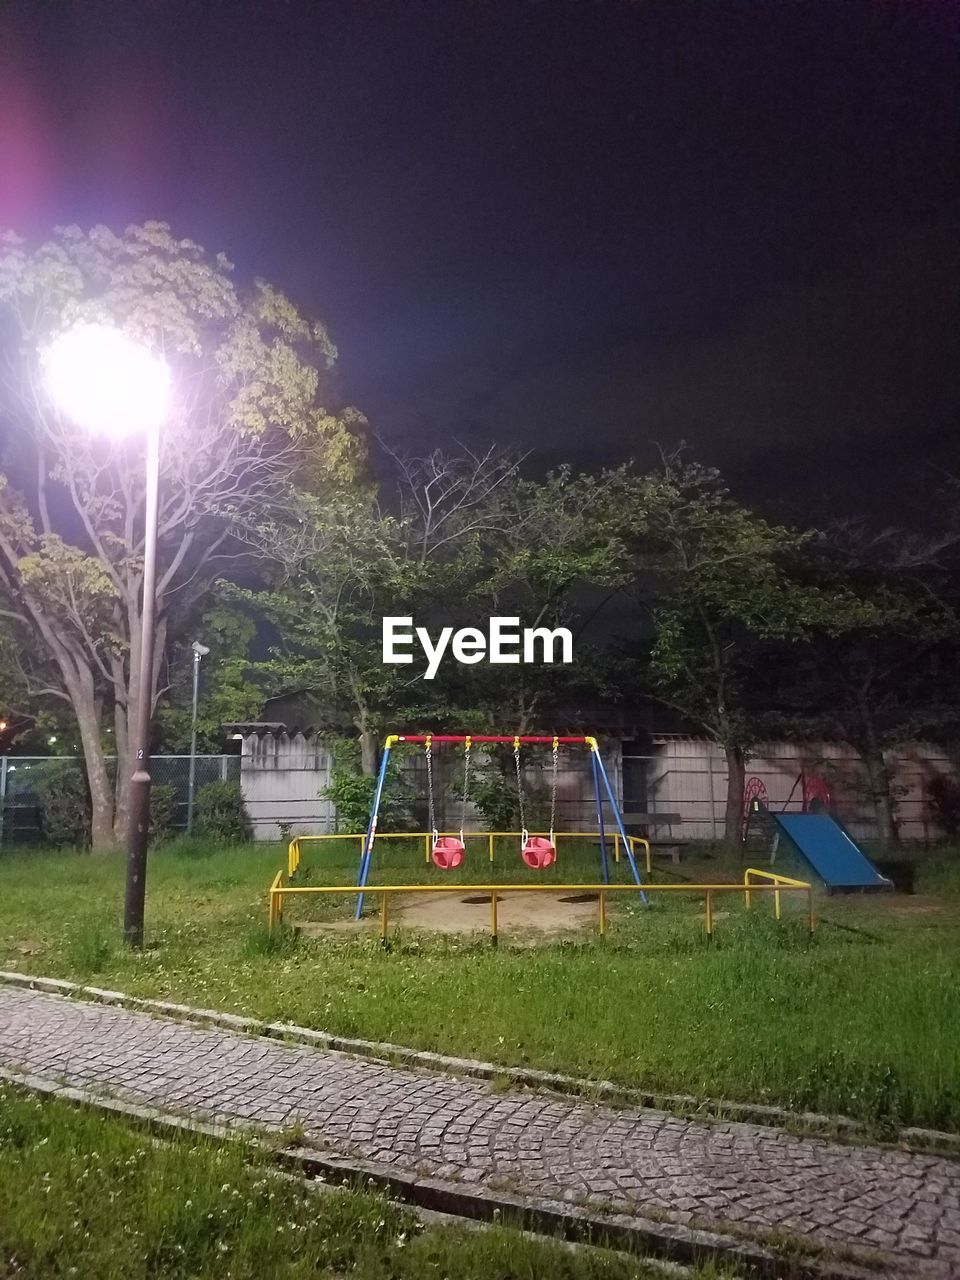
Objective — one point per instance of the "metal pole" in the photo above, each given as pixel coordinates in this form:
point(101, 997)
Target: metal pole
point(3, 793)
point(192, 778)
point(371, 829)
point(138, 834)
point(619, 821)
point(603, 837)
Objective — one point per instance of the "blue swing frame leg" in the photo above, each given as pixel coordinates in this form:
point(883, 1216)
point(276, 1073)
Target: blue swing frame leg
point(619, 821)
point(371, 831)
point(600, 824)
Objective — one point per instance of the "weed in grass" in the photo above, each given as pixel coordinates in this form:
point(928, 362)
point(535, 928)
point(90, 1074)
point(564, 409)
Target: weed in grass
point(293, 1135)
point(280, 941)
point(89, 950)
point(501, 1084)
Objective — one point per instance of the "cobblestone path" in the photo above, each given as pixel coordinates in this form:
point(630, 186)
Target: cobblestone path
point(638, 1160)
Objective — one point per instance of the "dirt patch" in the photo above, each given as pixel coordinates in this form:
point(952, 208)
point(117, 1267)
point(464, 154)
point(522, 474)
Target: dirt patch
point(539, 914)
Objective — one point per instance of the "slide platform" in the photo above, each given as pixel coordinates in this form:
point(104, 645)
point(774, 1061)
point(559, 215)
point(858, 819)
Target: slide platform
point(837, 860)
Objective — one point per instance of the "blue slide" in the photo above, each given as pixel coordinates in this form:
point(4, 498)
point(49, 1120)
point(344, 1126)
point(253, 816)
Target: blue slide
point(836, 859)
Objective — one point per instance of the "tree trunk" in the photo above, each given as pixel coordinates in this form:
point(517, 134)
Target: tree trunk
point(121, 788)
point(733, 817)
point(98, 780)
point(884, 806)
point(368, 752)
point(125, 717)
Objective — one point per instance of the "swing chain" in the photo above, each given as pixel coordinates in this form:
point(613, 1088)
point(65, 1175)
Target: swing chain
point(428, 748)
point(553, 789)
point(466, 787)
point(516, 761)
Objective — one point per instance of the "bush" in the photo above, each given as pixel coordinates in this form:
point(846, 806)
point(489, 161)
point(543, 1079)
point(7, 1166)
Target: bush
point(352, 792)
point(163, 810)
point(493, 792)
point(63, 802)
point(219, 813)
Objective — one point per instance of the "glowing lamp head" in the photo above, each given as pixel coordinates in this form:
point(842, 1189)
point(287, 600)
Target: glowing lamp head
point(105, 381)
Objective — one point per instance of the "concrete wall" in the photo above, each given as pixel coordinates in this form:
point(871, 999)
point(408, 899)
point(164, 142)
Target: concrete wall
point(283, 775)
point(689, 776)
point(281, 778)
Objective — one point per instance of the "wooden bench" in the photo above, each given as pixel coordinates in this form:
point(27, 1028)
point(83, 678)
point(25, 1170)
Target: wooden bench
point(646, 824)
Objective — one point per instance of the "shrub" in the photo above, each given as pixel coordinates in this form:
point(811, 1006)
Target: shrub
point(163, 809)
point(63, 802)
point(220, 814)
point(352, 792)
point(493, 790)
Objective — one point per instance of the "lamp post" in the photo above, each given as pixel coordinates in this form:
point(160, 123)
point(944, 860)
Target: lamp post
point(199, 651)
point(111, 385)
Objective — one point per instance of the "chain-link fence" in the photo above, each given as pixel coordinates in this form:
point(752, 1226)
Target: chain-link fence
point(21, 779)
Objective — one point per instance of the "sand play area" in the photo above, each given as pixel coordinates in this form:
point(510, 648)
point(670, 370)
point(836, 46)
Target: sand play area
point(521, 914)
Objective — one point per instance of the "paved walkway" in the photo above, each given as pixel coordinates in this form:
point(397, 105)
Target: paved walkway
point(639, 1160)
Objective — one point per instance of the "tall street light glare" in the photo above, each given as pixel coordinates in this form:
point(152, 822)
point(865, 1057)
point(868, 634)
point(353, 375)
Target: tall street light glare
point(111, 385)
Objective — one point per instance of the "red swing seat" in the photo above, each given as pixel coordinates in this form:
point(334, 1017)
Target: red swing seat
point(538, 852)
point(448, 853)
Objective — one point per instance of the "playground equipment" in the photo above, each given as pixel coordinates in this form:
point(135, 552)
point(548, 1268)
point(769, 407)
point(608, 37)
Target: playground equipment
point(538, 851)
point(832, 852)
point(447, 851)
point(754, 881)
point(816, 835)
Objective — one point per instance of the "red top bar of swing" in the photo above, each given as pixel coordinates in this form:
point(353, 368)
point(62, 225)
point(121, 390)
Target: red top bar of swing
point(482, 737)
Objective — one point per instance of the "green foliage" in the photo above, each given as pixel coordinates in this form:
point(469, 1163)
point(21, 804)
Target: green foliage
point(724, 586)
point(88, 948)
point(352, 791)
point(63, 802)
point(250, 420)
point(220, 815)
point(163, 811)
point(495, 796)
point(229, 690)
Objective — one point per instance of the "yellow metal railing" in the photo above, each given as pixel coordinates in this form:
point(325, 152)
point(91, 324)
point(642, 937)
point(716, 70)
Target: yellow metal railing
point(775, 882)
point(275, 911)
point(294, 850)
point(278, 891)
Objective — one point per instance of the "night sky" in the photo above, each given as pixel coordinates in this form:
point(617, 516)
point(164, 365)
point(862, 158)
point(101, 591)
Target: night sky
point(582, 227)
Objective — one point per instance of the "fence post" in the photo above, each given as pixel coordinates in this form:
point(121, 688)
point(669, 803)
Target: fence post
point(709, 914)
point(493, 916)
point(3, 793)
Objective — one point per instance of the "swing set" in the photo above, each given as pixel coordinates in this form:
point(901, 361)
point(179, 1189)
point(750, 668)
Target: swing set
point(537, 851)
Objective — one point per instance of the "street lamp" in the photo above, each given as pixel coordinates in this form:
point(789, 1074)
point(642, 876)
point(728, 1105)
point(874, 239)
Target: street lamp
point(199, 651)
point(112, 385)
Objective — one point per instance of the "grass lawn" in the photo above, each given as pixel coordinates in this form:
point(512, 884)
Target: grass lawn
point(83, 1195)
point(862, 1019)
